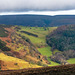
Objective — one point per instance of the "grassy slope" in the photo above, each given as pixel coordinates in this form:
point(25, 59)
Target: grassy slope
point(40, 41)
point(45, 51)
point(39, 31)
point(9, 63)
point(71, 61)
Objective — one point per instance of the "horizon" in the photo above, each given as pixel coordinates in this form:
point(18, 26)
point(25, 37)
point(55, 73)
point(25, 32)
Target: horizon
point(49, 13)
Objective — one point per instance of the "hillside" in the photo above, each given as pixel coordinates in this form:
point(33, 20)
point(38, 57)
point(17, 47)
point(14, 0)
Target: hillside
point(56, 70)
point(13, 63)
point(19, 46)
point(62, 39)
point(40, 41)
point(37, 20)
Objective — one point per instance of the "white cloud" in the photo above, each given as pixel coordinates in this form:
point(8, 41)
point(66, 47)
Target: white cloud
point(52, 13)
point(22, 5)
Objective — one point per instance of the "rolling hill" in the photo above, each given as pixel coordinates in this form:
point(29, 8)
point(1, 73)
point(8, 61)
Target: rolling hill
point(63, 39)
point(37, 20)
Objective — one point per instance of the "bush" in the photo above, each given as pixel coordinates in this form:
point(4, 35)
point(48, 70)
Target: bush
point(15, 63)
point(6, 49)
point(3, 32)
point(29, 33)
point(39, 63)
point(2, 44)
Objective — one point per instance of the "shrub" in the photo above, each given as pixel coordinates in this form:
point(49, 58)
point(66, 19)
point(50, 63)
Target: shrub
point(29, 33)
point(2, 44)
point(15, 63)
point(39, 63)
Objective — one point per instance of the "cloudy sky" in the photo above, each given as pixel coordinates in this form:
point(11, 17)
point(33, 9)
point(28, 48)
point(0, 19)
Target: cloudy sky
point(48, 7)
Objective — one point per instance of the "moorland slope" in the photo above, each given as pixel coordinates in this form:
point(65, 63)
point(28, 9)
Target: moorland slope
point(56, 70)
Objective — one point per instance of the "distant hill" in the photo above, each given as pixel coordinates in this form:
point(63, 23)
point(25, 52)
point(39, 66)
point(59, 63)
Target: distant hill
point(37, 20)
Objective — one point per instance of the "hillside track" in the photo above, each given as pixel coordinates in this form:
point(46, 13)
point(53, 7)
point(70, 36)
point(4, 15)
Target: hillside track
point(55, 70)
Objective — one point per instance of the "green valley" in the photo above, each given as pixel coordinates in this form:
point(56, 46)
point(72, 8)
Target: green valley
point(30, 45)
point(40, 41)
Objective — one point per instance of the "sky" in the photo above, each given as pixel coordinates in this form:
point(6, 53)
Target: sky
point(42, 7)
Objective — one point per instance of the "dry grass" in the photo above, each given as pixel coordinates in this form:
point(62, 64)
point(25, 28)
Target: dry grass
point(9, 63)
point(56, 70)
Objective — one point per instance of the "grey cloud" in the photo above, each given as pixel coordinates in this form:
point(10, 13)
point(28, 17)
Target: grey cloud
point(24, 5)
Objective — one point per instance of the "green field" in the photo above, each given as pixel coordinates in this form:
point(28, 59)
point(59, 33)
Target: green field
point(52, 63)
point(71, 61)
point(46, 51)
point(41, 39)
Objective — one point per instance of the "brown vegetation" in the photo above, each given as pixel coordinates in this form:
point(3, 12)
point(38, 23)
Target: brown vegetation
point(6, 39)
point(21, 47)
point(56, 70)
